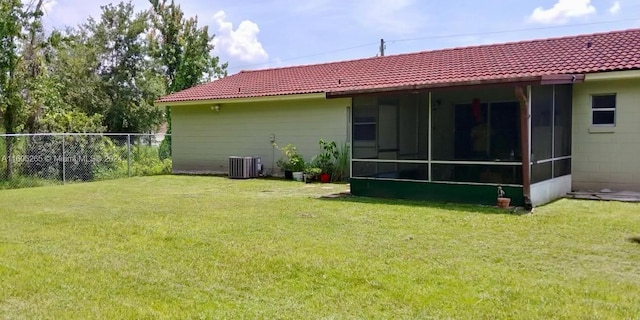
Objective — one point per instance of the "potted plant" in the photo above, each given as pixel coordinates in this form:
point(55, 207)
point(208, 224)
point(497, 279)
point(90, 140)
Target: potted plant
point(503, 201)
point(326, 159)
point(291, 161)
point(311, 172)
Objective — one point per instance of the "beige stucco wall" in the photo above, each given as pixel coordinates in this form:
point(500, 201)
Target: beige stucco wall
point(607, 157)
point(203, 140)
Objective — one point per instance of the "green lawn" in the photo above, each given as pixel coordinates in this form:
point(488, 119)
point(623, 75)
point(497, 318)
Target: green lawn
point(209, 247)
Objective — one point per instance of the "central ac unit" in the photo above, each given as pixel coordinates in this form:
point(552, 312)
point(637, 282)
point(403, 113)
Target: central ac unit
point(244, 167)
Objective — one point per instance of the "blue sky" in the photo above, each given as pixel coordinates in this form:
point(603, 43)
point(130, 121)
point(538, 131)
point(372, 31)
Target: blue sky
point(265, 34)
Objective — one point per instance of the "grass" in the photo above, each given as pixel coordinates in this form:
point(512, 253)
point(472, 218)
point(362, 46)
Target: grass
point(18, 182)
point(208, 247)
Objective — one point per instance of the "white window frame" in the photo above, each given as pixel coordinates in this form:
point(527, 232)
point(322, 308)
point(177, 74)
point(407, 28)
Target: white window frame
point(594, 110)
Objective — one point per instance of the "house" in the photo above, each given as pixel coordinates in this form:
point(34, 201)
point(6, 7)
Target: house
point(538, 118)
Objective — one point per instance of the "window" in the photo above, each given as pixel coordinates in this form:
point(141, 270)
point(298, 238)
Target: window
point(364, 123)
point(603, 110)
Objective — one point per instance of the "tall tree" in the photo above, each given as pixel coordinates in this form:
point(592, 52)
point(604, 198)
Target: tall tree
point(12, 19)
point(122, 65)
point(33, 68)
point(182, 47)
point(183, 50)
point(74, 81)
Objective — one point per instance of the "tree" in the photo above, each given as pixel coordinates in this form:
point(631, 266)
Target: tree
point(73, 82)
point(183, 50)
point(33, 65)
point(123, 68)
point(11, 102)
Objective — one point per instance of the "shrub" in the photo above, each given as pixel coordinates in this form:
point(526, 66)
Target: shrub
point(292, 160)
point(145, 161)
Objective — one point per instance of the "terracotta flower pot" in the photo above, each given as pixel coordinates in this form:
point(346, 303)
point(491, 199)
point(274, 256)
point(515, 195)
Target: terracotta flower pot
point(325, 177)
point(504, 202)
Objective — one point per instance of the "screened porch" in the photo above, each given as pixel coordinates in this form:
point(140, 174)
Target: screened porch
point(460, 137)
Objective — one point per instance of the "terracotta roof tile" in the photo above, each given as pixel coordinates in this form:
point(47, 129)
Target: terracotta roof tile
point(612, 51)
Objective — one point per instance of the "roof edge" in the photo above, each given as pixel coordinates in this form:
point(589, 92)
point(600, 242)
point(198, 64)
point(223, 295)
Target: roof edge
point(542, 79)
point(185, 103)
point(614, 75)
point(342, 93)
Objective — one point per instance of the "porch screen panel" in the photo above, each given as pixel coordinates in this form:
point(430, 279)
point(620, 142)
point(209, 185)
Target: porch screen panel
point(561, 167)
point(541, 172)
point(365, 127)
point(460, 132)
point(423, 126)
point(413, 171)
point(562, 130)
point(550, 131)
point(478, 173)
point(388, 128)
point(408, 138)
point(390, 136)
point(390, 170)
point(562, 120)
point(505, 131)
point(541, 123)
point(487, 131)
point(362, 169)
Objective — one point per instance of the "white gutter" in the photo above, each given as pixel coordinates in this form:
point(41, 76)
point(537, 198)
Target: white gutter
point(613, 75)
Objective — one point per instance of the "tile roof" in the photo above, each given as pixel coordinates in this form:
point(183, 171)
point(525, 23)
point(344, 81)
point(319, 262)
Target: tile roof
point(611, 51)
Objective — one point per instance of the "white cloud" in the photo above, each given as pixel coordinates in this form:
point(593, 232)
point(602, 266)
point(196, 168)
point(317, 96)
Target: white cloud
point(241, 43)
point(615, 8)
point(562, 12)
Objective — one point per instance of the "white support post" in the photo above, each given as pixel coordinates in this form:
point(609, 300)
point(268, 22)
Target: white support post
point(64, 166)
point(129, 155)
point(430, 138)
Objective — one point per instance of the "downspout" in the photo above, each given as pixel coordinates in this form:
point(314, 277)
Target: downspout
point(524, 142)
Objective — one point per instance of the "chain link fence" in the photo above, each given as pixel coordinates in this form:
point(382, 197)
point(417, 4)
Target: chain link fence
point(31, 160)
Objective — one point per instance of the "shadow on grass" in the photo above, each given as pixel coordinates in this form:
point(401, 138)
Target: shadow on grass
point(448, 206)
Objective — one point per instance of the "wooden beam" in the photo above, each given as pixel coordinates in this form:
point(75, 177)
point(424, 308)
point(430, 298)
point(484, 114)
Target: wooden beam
point(524, 142)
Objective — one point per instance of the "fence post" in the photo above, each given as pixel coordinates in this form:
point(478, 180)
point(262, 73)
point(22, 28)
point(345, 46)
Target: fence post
point(129, 155)
point(64, 166)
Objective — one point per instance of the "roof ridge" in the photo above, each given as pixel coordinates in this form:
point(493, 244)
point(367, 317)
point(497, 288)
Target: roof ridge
point(442, 50)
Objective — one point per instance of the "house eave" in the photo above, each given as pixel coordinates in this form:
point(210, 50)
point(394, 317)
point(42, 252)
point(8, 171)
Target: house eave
point(613, 75)
point(512, 81)
point(288, 97)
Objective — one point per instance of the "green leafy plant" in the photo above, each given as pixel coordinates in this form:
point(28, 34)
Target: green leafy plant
point(326, 159)
point(340, 172)
point(292, 160)
point(312, 171)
